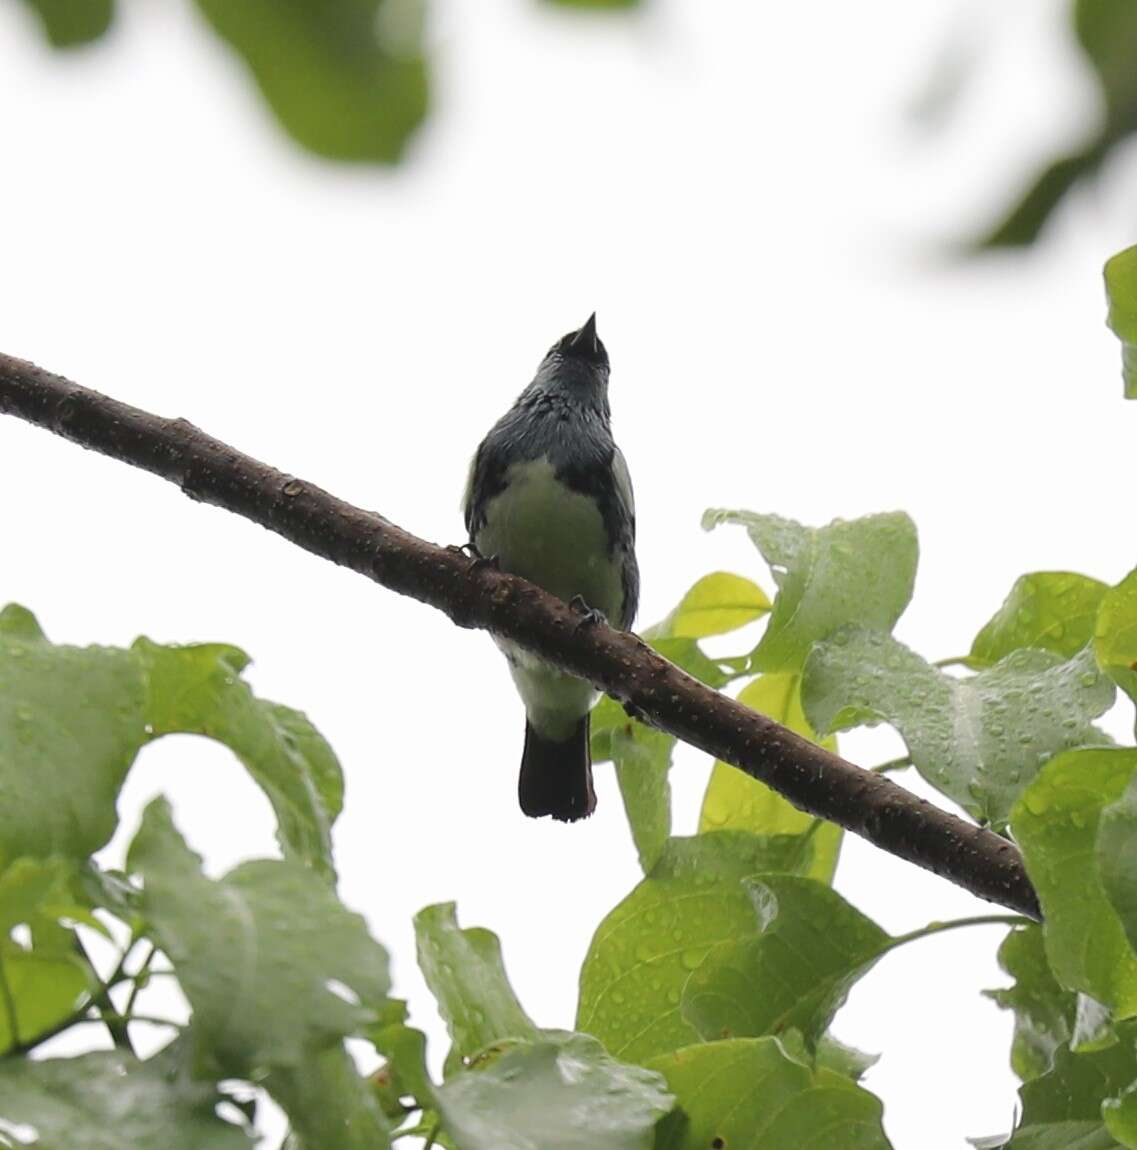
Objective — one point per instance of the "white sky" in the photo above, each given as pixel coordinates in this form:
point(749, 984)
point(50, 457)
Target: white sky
point(741, 193)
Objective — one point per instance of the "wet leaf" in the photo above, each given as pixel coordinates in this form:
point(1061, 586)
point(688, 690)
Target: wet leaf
point(268, 957)
point(979, 740)
point(1115, 636)
point(859, 571)
point(1050, 610)
point(1044, 1011)
point(747, 1094)
point(110, 1101)
point(811, 946)
point(1056, 824)
point(563, 1092)
point(644, 951)
point(464, 969)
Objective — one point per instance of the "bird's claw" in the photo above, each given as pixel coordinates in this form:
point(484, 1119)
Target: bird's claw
point(477, 559)
point(589, 616)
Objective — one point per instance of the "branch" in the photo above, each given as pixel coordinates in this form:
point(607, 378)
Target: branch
point(821, 783)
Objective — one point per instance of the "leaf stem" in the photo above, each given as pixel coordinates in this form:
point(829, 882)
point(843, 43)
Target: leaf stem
point(955, 923)
point(140, 976)
point(9, 1003)
point(101, 1000)
point(900, 764)
point(954, 661)
point(433, 1136)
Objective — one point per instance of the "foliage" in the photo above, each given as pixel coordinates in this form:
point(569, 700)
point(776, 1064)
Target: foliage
point(1105, 32)
point(708, 992)
point(348, 80)
point(1121, 287)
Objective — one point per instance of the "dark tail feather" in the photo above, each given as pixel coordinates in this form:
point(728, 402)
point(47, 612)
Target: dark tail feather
point(556, 778)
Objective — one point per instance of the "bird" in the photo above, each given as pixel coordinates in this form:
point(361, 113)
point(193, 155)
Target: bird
point(549, 498)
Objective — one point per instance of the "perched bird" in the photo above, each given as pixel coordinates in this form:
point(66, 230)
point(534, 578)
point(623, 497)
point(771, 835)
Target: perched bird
point(549, 498)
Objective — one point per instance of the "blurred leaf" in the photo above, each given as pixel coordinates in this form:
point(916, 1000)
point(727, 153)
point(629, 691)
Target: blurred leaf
point(716, 604)
point(746, 1093)
point(810, 947)
point(70, 23)
point(1074, 1091)
point(565, 1093)
point(858, 571)
point(832, 1054)
point(1056, 824)
point(646, 948)
point(110, 1101)
point(257, 953)
point(597, 3)
point(734, 801)
point(1023, 223)
point(1121, 288)
point(341, 80)
point(1117, 857)
point(1050, 610)
point(198, 690)
point(466, 975)
point(1107, 33)
point(41, 983)
point(1120, 1114)
point(329, 1105)
point(1115, 637)
point(980, 740)
point(1044, 1012)
point(71, 721)
point(404, 1048)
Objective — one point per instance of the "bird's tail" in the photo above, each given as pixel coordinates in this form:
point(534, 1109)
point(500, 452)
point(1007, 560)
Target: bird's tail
point(556, 777)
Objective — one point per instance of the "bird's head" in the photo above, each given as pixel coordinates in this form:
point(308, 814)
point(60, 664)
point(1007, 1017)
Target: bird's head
point(577, 363)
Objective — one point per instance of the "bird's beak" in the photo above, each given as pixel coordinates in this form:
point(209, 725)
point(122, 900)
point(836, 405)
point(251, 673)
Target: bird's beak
point(585, 339)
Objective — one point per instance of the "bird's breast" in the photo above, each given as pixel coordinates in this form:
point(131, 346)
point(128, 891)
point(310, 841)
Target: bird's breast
point(541, 529)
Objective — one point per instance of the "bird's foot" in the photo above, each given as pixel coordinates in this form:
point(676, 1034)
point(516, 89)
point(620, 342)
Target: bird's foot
point(589, 616)
point(477, 559)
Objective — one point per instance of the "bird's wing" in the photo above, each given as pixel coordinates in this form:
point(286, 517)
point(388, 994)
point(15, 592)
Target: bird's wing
point(624, 493)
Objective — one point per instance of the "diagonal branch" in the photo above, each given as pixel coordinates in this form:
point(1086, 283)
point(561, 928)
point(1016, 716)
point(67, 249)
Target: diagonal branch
point(812, 778)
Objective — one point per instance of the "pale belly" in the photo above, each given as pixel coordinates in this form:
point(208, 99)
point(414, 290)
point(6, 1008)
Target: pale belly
point(554, 537)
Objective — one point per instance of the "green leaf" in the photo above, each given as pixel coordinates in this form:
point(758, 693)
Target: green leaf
point(1120, 1114)
point(70, 23)
point(747, 1094)
point(1121, 288)
point(404, 1048)
point(832, 1054)
point(110, 1101)
point(716, 604)
point(466, 975)
point(198, 690)
point(565, 1093)
point(255, 953)
point(71, 721)
point(642, 754)
point(1044, 1011)
point(1117, 857)
point(735, 801)
point(859, 571)
point(1115, 636)
point(1049, 610)
point(345, 78)
point(644, 951)
point(42, 982)
point(979, 740)
point(1074, 1090)
point(1056, 824)
point(810, 948)
point(597, 4)
point(329, 1105)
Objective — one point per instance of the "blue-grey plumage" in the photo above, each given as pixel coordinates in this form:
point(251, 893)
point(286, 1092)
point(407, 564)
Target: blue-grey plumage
point(550, 497)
